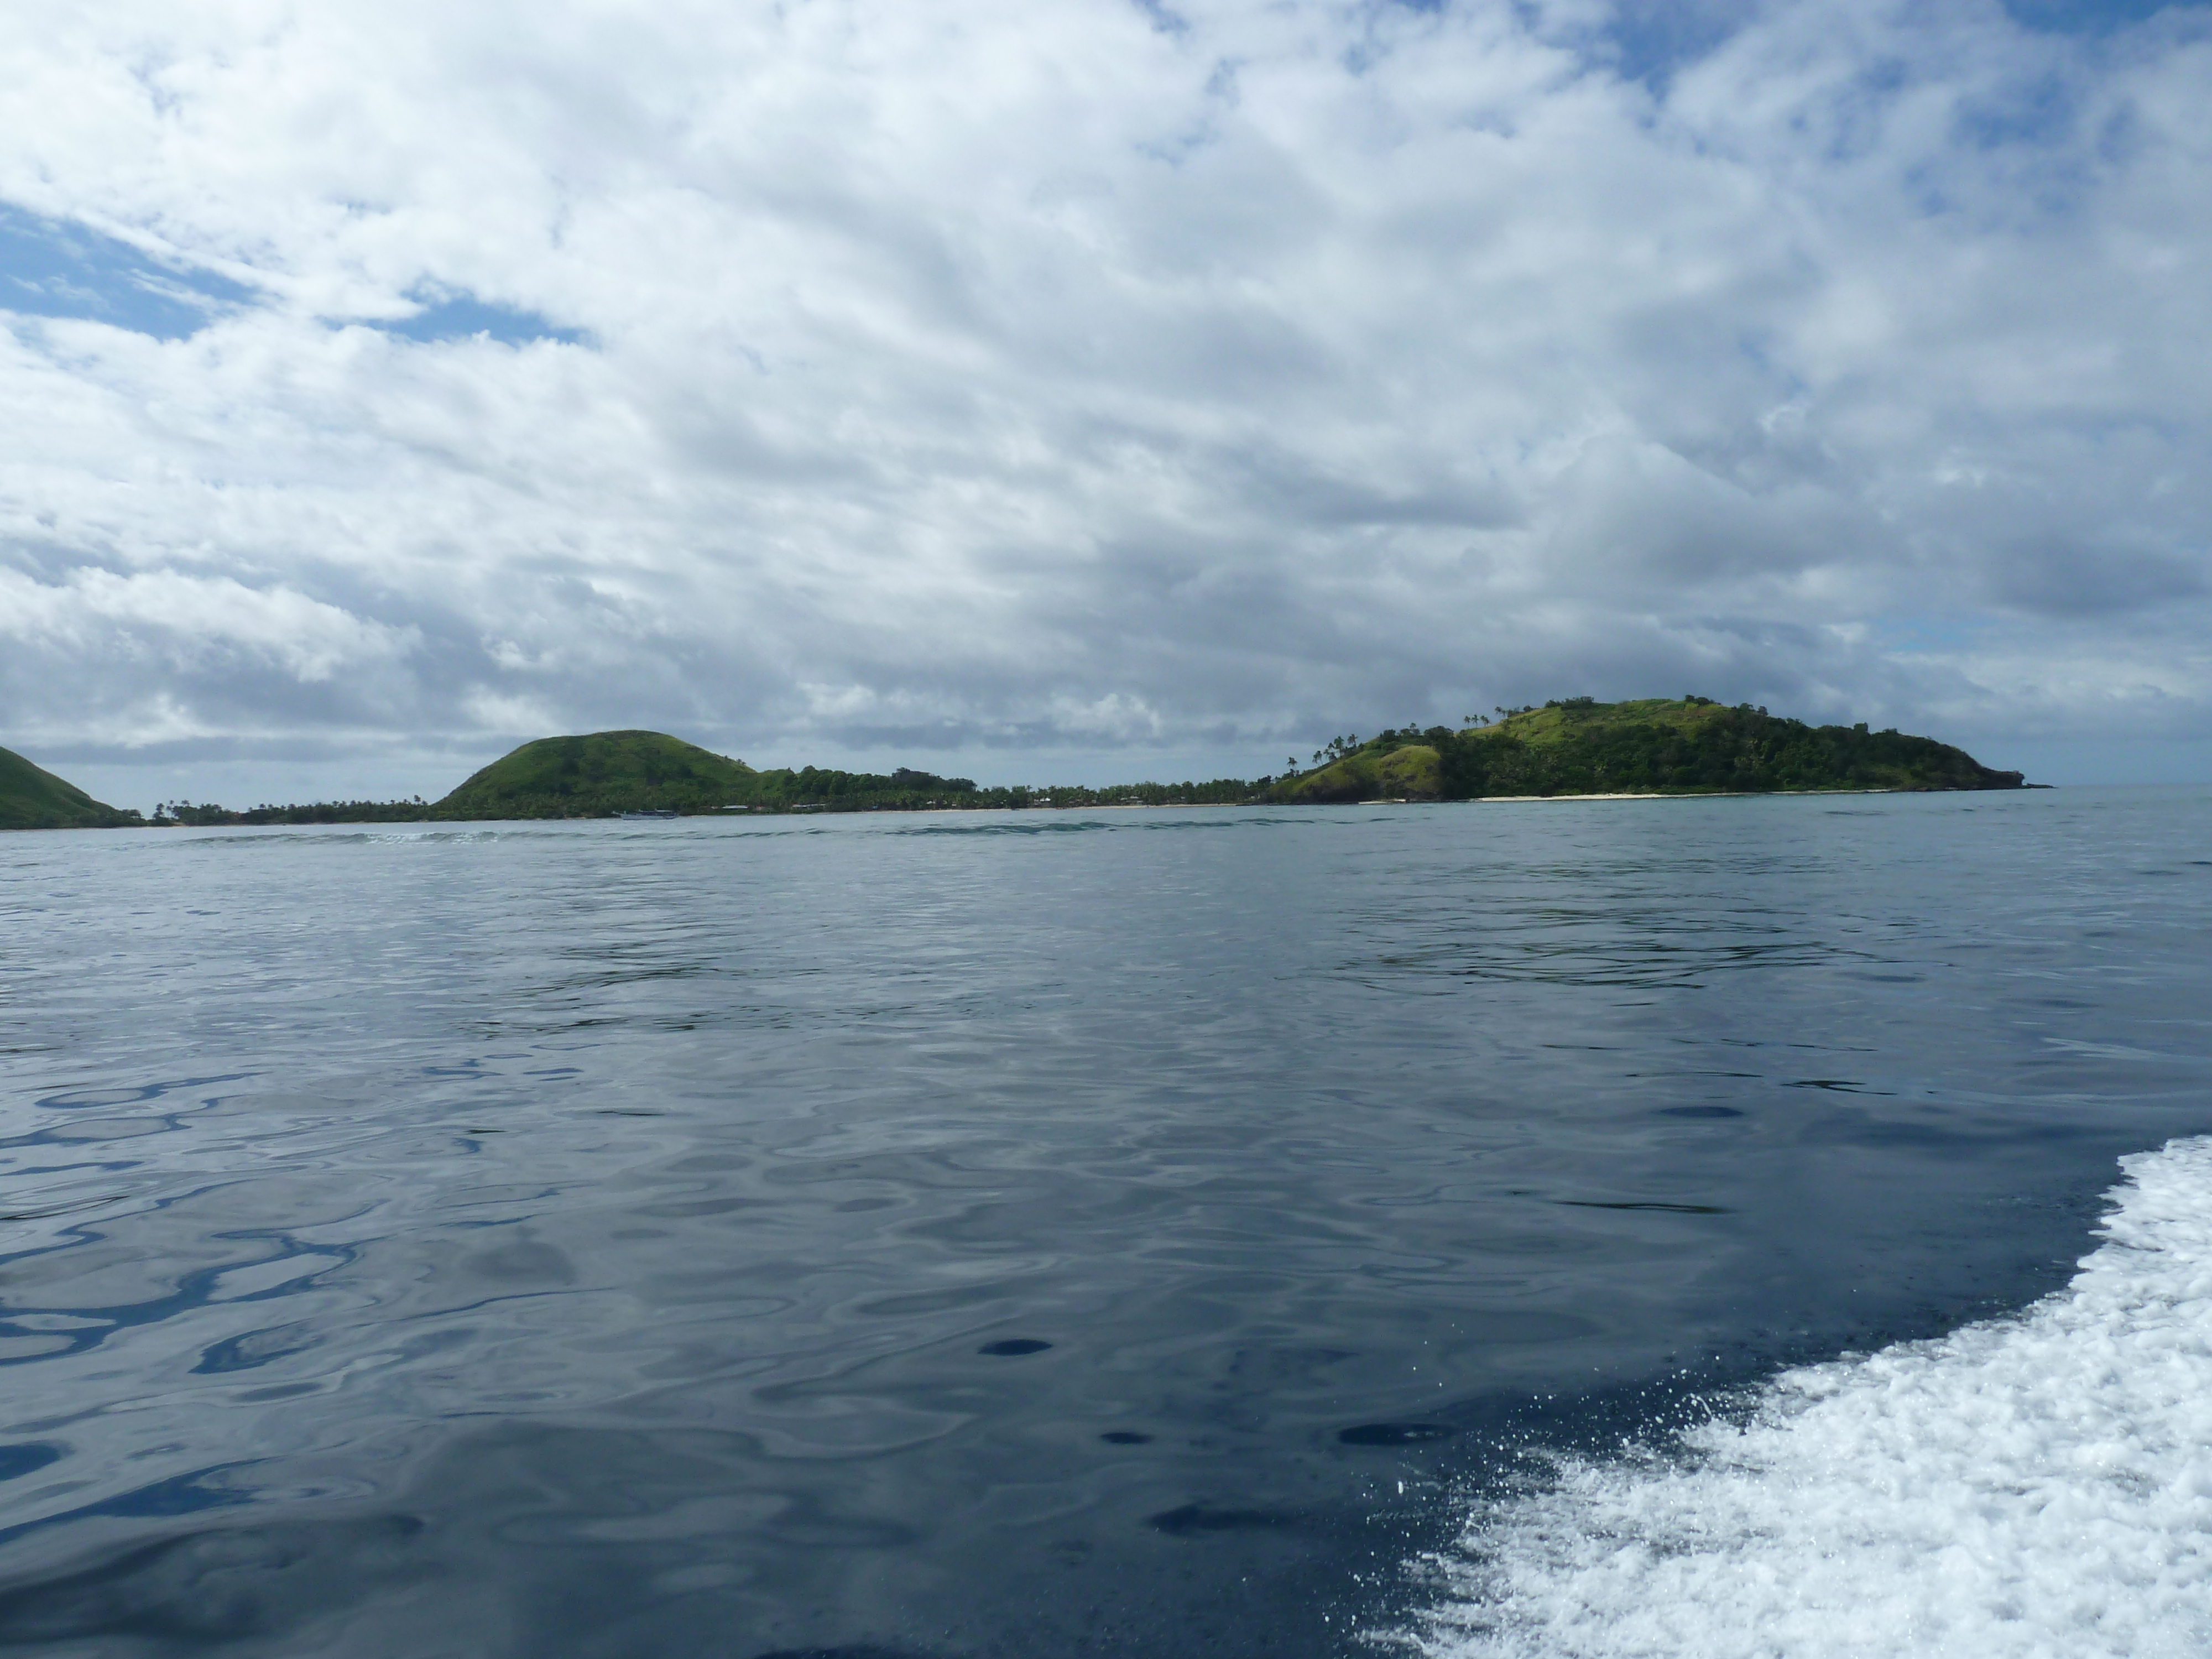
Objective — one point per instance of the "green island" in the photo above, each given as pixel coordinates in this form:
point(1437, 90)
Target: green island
point(615, 772)
point(1652, 746)
point(1575, 746)
point(33, 798)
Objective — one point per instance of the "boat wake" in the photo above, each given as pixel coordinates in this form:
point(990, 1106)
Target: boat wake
point(2040, 1484)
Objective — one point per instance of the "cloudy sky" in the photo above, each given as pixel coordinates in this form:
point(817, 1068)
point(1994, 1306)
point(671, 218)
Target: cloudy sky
point(1093, 389)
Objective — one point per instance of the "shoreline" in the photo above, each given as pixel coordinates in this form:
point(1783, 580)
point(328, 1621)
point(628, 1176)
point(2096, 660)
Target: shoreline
point(726, 815)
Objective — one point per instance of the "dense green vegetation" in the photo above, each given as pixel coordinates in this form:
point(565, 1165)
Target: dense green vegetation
point(646, 771)
point(33, 798)
point(813, 790)
point(1656, 746)
point(1576, 746)
point(605, 772)
point(612, 772)
point(196, 815)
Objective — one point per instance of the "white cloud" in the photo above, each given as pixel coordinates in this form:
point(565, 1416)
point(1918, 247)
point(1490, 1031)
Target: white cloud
point(986, 374)
point(194, 620)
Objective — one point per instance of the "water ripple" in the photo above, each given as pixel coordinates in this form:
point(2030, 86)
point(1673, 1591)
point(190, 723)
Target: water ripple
point(994, 1237)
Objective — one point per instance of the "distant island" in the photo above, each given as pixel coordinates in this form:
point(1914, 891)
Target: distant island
point(1572, 746)
point(616, 772)
point(1653, 746)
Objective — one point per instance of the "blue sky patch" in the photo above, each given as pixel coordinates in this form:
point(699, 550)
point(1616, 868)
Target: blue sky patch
point(1649, 40)
point(459, 315)
point(2082, 16)
point(52, 268)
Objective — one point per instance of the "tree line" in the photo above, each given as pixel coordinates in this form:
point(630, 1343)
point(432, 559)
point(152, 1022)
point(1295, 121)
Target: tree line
point(1594, 751)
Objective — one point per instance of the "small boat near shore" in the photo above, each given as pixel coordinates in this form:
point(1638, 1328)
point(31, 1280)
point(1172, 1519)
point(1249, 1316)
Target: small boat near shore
point(657, 812)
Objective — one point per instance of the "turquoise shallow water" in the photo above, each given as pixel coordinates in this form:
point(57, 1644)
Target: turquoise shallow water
point(1027, 1234)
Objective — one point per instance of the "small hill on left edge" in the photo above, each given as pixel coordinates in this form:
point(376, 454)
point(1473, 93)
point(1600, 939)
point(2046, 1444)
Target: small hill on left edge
point(31, 798)
point(599, 773)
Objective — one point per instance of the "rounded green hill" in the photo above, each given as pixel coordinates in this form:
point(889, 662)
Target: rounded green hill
point(604, 772)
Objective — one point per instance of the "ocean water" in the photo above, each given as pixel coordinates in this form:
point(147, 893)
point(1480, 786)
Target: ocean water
point(1701, 1227)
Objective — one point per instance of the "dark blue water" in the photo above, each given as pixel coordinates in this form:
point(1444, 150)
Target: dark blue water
point(1036, 1234)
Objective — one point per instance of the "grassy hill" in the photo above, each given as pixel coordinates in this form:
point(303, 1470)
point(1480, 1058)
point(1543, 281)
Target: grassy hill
point(604, 772)
point(32, 799)
point(1659, 746)
point(608, 772)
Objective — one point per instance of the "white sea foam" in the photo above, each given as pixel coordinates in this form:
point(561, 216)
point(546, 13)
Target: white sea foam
point(2036, 1486)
